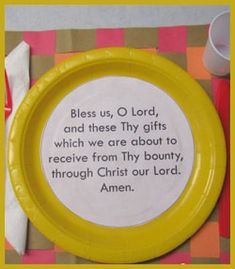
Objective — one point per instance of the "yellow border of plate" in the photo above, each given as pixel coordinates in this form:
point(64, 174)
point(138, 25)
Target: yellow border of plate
point(95, 242)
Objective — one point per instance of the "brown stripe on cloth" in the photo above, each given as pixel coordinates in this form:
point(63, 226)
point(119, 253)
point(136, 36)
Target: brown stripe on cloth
point(11, 257)
point(12, 39)
point(75, 40)
point(206, 85)
point(40, 65)
point(64, 258)
point(224, 244)
point(140, 37)
point(36, 240)
point(197, 35)
point(178, 58)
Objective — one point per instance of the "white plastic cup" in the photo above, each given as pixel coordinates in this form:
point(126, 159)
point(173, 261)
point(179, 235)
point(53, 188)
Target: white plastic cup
point(216, 56)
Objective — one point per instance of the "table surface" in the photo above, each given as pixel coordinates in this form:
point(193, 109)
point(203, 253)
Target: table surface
point(26, 18)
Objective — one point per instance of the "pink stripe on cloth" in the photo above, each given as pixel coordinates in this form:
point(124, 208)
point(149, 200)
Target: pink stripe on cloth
point(221, 96)
point(225, 258)
point(176, 258)
point(172, 39)
point(41, 43)
point(109, 38)
point(39, 257)
point(32, 82)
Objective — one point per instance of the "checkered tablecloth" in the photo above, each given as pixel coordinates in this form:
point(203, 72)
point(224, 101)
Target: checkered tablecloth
point(183, 45)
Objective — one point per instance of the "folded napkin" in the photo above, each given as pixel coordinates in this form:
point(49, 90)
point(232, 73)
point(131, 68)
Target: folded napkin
point(17, 68)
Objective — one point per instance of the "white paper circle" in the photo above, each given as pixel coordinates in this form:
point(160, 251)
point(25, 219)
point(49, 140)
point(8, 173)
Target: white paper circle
point(117, 151)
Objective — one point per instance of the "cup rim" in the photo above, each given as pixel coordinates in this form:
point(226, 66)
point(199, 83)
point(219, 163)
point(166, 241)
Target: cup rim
point(210, 31)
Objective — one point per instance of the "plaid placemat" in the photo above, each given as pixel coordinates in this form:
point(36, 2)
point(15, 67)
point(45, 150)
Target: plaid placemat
point(183, 45)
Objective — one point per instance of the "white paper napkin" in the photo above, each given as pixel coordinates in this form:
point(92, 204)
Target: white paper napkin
point(17, 67)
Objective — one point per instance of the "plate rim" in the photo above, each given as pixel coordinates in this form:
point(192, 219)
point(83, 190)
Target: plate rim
point(209, 190)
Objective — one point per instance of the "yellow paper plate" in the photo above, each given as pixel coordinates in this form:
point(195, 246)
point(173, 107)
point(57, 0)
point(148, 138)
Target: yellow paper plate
point(107, 243)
